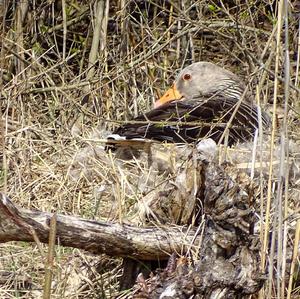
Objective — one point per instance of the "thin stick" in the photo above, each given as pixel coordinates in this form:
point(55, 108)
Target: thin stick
point(270, 181)
point(269, 192)
point(50, 258)
point(64, 28)
point(298, 58)
point(96, 38)
point(282, 238)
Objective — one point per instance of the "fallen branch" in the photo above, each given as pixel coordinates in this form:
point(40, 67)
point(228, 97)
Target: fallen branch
point(219, 252)
point(94, 236)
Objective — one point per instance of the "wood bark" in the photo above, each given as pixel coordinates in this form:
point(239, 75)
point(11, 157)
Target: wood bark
point(227, 263)
point(219, 252)
point(114, 239)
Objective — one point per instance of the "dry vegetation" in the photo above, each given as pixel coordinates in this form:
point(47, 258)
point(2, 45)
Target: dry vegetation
point(73, 70)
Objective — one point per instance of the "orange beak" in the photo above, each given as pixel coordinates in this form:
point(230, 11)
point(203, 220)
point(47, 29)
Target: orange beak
point(170, 95)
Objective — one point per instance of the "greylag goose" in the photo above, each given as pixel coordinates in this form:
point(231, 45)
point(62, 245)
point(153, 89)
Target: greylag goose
point(199, 105)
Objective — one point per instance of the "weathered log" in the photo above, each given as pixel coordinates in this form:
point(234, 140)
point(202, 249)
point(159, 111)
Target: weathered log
point(114, 239)
point(219, 250)
point(227, 264)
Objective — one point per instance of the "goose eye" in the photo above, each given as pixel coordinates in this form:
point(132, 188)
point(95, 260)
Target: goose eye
point(186, 77)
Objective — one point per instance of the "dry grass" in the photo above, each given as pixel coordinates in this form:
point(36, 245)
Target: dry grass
point(64, 86)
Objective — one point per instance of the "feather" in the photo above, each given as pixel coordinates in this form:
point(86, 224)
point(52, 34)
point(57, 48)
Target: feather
point(193, 119)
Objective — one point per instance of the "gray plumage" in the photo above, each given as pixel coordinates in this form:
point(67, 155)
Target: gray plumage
point(209, 97)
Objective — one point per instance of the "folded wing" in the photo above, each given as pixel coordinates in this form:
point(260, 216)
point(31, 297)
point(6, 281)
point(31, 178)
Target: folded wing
point(190, 120)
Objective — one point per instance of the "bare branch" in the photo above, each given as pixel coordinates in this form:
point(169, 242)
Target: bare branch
point(94, 236)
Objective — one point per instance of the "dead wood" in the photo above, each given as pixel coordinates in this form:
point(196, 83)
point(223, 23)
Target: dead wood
point(227, 264)
point(94, 236)
point(219, 251)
